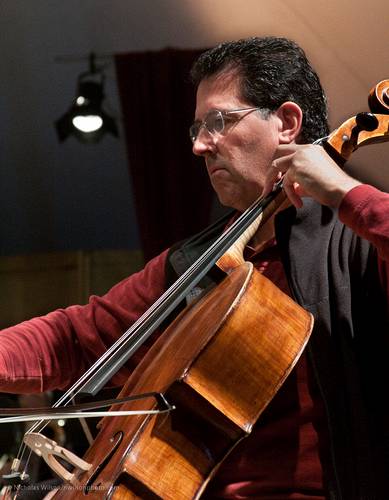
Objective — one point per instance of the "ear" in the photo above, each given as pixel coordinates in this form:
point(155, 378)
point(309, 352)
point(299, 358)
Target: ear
point(290, 117)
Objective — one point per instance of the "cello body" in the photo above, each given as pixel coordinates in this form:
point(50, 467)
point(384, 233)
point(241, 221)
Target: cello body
point(219, 363)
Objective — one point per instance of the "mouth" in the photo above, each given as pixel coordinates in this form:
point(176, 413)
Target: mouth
point(215, 167)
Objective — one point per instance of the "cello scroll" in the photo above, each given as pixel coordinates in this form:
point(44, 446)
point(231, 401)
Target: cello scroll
point(364, 128)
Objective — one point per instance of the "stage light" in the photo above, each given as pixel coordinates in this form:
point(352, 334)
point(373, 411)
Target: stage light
point(86, 118)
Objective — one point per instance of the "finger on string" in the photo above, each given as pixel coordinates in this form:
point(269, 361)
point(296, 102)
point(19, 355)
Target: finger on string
point(273, 176)
point(290, 191)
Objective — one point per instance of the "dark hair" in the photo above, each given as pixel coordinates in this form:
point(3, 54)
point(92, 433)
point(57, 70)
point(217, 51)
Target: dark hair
point(271, 71)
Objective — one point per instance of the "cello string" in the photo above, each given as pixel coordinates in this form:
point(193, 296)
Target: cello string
point(205, 259)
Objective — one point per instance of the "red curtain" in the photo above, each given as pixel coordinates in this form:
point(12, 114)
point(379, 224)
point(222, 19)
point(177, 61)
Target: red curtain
point(172, 193)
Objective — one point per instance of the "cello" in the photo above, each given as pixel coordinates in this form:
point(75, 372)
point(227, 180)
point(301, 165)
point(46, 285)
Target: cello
point(163, 455)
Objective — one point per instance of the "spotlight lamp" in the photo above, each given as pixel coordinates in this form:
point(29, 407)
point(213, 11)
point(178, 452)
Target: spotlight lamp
point(86, 118)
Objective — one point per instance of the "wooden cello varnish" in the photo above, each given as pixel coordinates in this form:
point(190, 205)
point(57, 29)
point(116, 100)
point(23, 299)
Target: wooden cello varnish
point(219, 363)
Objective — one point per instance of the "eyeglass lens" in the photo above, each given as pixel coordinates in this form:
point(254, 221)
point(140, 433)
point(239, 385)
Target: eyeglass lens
point(213, 122)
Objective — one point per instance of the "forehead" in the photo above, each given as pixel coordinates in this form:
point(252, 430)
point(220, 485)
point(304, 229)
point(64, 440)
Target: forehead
point(221, 91)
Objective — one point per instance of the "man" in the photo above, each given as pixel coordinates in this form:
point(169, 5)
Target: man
point(326, 432)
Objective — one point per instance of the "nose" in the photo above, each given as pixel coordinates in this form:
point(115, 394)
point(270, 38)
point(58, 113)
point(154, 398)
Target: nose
point(204, 143)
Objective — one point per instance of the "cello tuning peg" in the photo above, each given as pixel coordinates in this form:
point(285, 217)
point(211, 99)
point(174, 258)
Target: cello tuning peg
point(366, 121)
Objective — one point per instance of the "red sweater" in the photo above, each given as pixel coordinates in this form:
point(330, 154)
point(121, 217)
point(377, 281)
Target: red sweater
point(280, 459)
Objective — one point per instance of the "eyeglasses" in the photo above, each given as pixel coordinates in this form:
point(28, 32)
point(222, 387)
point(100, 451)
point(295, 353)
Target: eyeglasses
point(214, 121)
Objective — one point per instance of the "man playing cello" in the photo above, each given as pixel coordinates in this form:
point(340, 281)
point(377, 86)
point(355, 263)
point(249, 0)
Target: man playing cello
point(325, 434)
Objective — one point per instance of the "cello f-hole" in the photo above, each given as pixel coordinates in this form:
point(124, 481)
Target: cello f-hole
point(116, 440)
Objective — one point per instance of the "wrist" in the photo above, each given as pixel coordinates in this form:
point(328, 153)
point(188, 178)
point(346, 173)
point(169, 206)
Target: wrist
point(343, 190)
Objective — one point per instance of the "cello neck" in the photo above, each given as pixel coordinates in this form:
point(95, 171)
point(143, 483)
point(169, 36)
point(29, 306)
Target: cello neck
point(259, 231)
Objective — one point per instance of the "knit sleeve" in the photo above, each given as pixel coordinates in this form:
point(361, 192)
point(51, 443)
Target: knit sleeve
point(365, 210)
point(52, 351)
